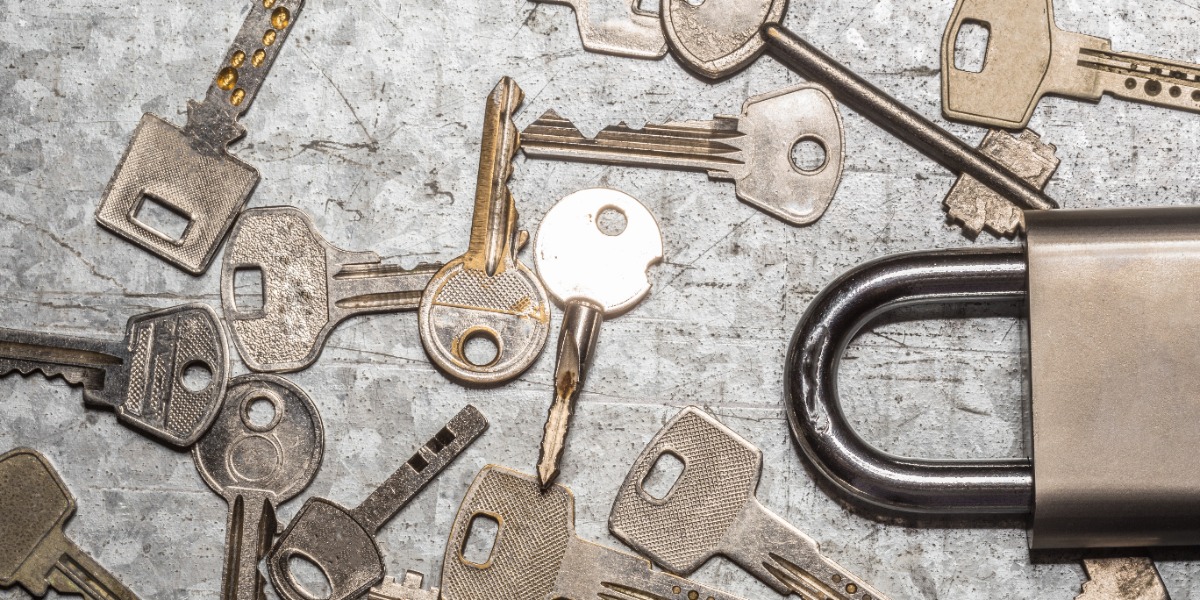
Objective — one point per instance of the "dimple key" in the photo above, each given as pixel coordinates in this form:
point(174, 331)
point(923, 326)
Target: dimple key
point(145, 378)
point(408, 588)
point(711, 509)
point(308, 288)
point(34, 551)
point(341, 542)
point(189, 171)
point(257, 462)
point(1122, 578)
point(634, 32)
point(595, 275)
point(1028, 57)
point(754, 150)
point(487, 293)
point(535, 554)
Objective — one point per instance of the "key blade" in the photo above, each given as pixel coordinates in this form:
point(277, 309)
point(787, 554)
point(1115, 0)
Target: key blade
point(408, 588)
point(976, 206)
point(380, 288)
point(576, 340)
point(75, 572)
point(1146, 79)
point(493, 226)
point(78, 361)
point(634, 33)
point(1125, 578)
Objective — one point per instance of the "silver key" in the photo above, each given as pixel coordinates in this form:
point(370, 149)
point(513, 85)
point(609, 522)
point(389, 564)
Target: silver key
point(977, 206)
point(407, 589)
point(166, 379)
point(308, 287)
point(189, 172)
point(257, 462)
point(487, 293)
point(754, 150)
point(595, 275)
point(536, 555)
point(341, 542)
point(632, 32)
point(711, 509)
point(1122, 579)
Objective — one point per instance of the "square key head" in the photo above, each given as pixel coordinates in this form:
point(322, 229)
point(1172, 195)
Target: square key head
point(35, 502)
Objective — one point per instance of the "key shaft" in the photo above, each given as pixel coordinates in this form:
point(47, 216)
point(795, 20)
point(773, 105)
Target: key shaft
point(576, 340)
point(494, 221)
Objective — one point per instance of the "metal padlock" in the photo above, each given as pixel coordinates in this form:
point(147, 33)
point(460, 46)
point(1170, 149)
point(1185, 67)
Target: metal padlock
point(1113, 300)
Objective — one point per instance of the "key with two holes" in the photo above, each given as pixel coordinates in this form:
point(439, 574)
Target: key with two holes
point(34, 552)
point(595, 275)
point(190, 171)
point(257, 462)
point(143, 378)
point(341, 542)
point(754, 150)
point(308, 287)
point(711, 509)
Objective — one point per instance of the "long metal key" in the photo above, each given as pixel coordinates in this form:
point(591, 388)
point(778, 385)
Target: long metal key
point(487, 293)
point(633, 31)
point(755, 150)
point(535, 554)
point(154, 379)
point(256, 460)
point(189, 171)
point(341, 542)
point(711, 509)
point(595, 275)
point(35, 504)
point(408, 588)
point(1028, 57)
point(1123, 578)
point(308, 287)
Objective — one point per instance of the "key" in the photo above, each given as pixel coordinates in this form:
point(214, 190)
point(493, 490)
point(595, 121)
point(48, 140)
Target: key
point(407, 589)
point(341, 542)
point(34, 551)
point(976, 206)
point(711, 509)
point(634, 32)
point(535, 554)
point(308, 287)
point(166, 379)
point(1122, 579)
point(487, 294)
point(595, 275)
point(257, 462)
point(1028, 57)
point(754, 151)
point(189, 172)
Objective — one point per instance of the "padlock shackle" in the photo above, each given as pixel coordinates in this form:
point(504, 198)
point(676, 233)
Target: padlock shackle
point(836, 315)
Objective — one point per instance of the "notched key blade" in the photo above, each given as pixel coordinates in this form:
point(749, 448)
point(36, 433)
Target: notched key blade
point(634, 34)
point(493, 229)
point(1132, 578)
point(977, 206)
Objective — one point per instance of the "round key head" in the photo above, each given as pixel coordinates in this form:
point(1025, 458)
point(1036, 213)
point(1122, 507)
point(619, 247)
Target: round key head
point(34, 502)
point(716, 38)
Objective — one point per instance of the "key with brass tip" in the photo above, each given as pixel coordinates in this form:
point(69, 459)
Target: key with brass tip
point(308, 287)
point(166, 379)
point(711, 509)
point(632, 32)
point(1132, 578)
point(976, 206)
point(753, 150)
point(34, 551)
point(408, 588)
point(189, 172)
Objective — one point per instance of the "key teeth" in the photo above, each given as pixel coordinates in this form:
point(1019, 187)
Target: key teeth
point(72, 375)
point(976, 207)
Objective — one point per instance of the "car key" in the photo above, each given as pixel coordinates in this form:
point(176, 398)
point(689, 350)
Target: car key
point(1133, 578)
point(638, 34)
point(595, 275)
point(711, 509)
point(146, 378)
point(257, 462)
point(536, 555)
point(34, 551)
point(308, 288)
point(189, 171)
point(487, 293)
point(755, 150)
point(407, 589)
point(975, 206)
point(341, 542)
point(1028, 57)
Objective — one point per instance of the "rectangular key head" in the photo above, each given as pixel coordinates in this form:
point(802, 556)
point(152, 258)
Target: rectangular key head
point(35, 503)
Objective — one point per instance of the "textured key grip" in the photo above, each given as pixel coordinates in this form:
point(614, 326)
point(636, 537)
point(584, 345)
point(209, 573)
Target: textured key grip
point(34, 502)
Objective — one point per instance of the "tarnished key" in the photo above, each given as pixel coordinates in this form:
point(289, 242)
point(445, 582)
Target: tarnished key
point(711, 509)
point(754, 150)
point(1028, 57)
point(631, 32)
point(407, 589)
point(535, 554)
point(308, 287)
point(1122, 579)
point(340, 542)
point(595, 274)
point(34, 552)
point(976, 206)
point(265, 448)
point(487, 293)
point(166, 379)
point(189, 172)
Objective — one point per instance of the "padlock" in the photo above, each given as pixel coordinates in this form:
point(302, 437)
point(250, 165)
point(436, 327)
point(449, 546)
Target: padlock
point(1113, 299)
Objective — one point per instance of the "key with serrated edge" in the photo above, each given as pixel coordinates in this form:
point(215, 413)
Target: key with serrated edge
point(977, 206)
point(1123, 578)
point(634, 32)
point(409, 588)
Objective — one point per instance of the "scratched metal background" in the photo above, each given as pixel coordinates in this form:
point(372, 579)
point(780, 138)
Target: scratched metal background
point(371, 122)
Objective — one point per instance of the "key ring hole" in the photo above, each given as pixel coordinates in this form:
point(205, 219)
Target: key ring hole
point(480, 541)
point(262, 411)
point(809, 154)
point(663, 476)
point(611, 221)
point(196, 376)
point(307, 578)
point(480, 347)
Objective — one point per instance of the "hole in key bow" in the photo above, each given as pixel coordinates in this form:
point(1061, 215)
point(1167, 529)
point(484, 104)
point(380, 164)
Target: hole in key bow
point(248, 290)
point(308, 578)
point(970, 46)
point(196, 377)
point(261, 413)
point(809, 154)
point(481, 540)
point(663, 476)
point(611, 221)
point(161, 218)
point(481, 347)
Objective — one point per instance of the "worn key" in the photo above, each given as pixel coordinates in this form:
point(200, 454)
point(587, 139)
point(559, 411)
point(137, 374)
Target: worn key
point(265, 448)
point(711, 509)
point(166, 379)
point(595, 274)
point(35, 504)
point(535, 554)
point(754, 150)
point(341, 542)
point(631, 32)
point(977, 206)
point(1133, 578)
point(487, 294)
point(408, 588)
point(308, 287)
point(189, 172)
